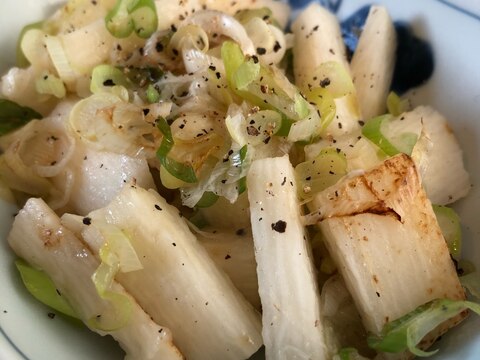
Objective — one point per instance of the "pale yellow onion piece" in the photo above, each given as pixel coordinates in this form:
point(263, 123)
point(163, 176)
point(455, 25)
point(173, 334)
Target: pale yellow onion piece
point(170, 181)
point(334, 77)
point(20, 177)
point(41, 151)
point(190, 36)
point(61, 192)
point(105, 122)
point(87, 46)
point(50, 84)
point(280, 10)
point(222, 24)
point(33, 47)
point(18, 85)
point(260, 33)
point(60, 61)
point(268, 37)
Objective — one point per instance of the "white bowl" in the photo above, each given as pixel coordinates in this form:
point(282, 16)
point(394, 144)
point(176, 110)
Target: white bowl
point(26, 331)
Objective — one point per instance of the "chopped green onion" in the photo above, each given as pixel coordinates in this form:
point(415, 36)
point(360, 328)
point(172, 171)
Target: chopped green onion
point(245, 74)
point(396, 105)
point(50, 84)
point(153, 96)
point(316, 175)
point(262, 86)
point(372, 130)
point(232, 57)
point(106, 76)
point(14, 116)
point(332, 76)
point(132, 15)
point(208, 199)
point(406, 332)
point(348, 354)
point(21, 60)
point(180, 171)
point(449, 222)
point(117, 255)
point(43, 289)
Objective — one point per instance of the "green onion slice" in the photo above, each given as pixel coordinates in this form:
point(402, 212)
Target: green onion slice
point(39, 284)
point(406, 332)
point(449, 222)
point(14, 116)
point(128, 16)
point(21, 60)
point(208, 199)
point(179, 170)
point(316, 175)
point(396, 105)
point(107, 76)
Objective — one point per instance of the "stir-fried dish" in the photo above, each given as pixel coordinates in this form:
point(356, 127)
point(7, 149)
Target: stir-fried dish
point(201, 178)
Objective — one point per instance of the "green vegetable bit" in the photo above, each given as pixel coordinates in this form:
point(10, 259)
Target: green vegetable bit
point(14, 116)
point(180, 171)
point(43, 289)
point(139, 16)
point(406, 332)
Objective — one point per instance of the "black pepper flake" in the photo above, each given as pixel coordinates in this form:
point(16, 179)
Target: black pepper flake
point(279, 226)
point(108, 82)
point(160, 331)
point(308, 178)
point(5, 311)
point(173, 28)
point(277, 46)
point(51, 315)
point(267, 140)
point(325, 82)
point(87, 220)
point(181, 126)
point(361, 122)
point(175, 52)
point(213, 68)
point(158, 207)
point(145, 111)
point(284, 180)
point(252, 131)
point(315, 28)
point(227, 257)
point(240, 232)
point(217, 74)
point(261, 51)
point(174, 244)
point(378, 294)
point(159, 46)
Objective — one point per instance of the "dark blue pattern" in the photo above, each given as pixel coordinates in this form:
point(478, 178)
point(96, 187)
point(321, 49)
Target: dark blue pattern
point(331, 5)
point(414, 62)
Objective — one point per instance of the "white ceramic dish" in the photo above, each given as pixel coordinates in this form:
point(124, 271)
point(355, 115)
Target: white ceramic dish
point(26, 331)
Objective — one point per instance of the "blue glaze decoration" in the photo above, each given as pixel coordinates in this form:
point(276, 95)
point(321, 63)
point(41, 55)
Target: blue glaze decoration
point(331, 5)
point(414, 59)
point(352, 27)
